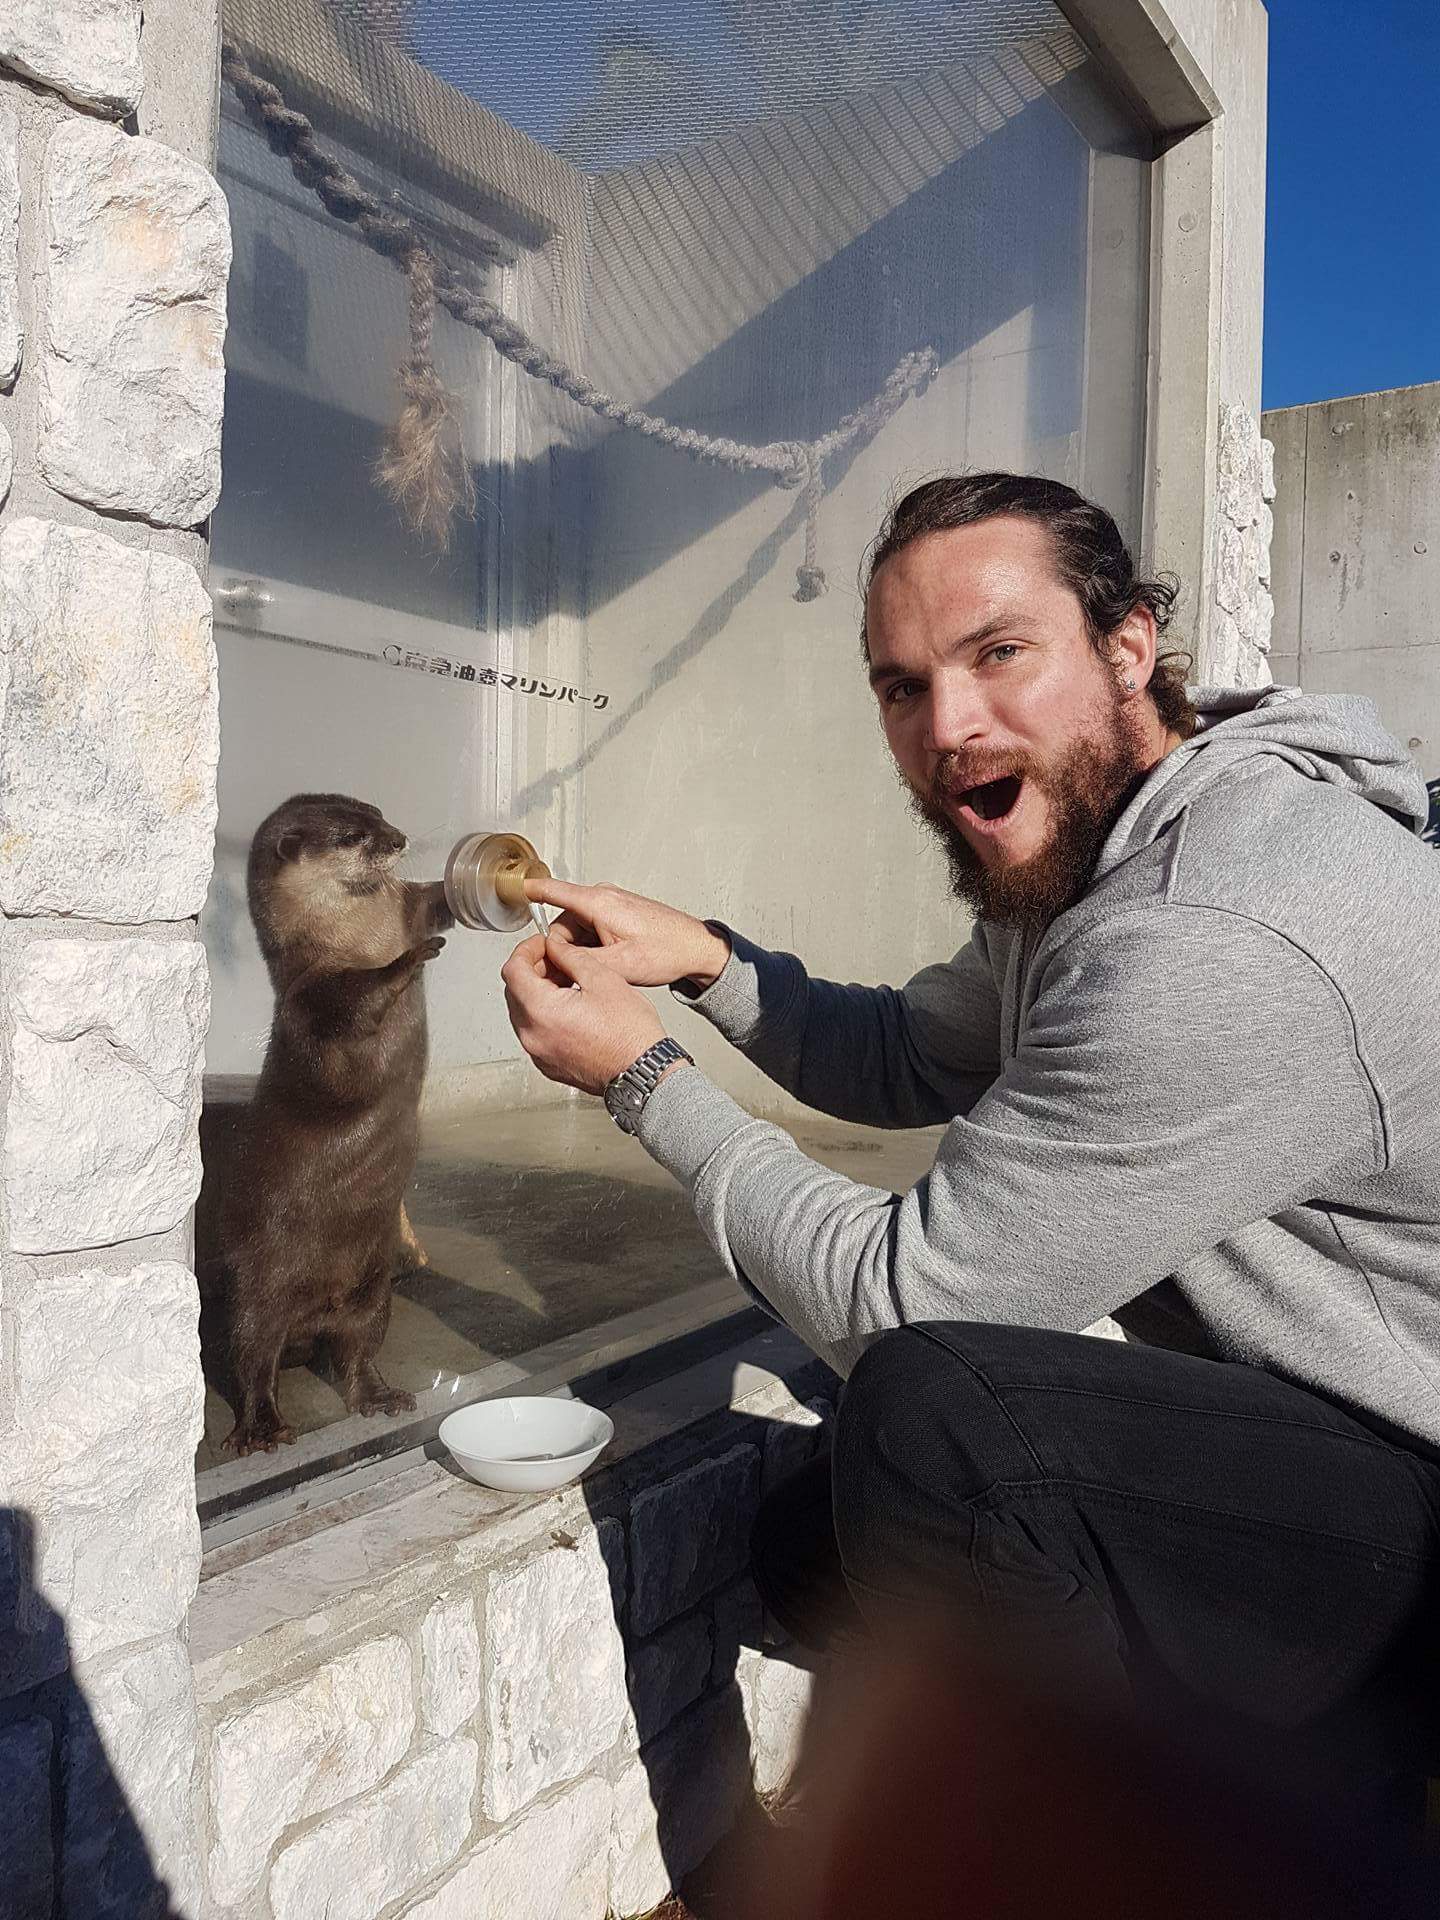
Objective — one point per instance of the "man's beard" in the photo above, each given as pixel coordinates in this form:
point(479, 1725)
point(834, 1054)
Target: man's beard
point(1087, 790)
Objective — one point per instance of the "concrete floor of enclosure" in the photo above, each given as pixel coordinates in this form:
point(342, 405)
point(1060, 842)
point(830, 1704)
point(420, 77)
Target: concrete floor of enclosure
point(538, 1222)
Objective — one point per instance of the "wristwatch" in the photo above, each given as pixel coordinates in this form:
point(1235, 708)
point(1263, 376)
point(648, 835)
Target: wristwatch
point(627, 1093)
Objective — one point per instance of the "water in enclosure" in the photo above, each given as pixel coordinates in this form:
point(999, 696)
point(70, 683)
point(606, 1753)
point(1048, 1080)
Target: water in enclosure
point(574, 353)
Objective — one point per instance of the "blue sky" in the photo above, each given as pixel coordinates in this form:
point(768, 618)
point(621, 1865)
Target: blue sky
point(1352, 268)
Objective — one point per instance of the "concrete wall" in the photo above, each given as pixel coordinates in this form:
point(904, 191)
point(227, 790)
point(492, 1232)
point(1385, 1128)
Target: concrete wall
point(301, 512)
point(743, 773)
point(1357, 555)
point(1197, 70)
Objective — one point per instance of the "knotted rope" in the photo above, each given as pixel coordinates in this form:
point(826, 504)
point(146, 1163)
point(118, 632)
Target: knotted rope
point(423, 466)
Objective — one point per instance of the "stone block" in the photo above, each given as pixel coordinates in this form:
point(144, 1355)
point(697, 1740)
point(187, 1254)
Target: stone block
point(739, 1621)
point(1264, 624)
point(777, 1701)
point(690, 1535)
point(1231, 585)
point(1104, 1329)
point(301, 1752)
point(553, 1671)
point(795, 1435)
point(129, 1757)
point(358, 1860)
point(108, 689)
point(450, 1672)
point(104, 1102)
point(550, 1864)
point(132, 376)
point(1254, 670)
point(89, 50)
point(676, 1801)
point(108, 1415)
point(668, 1673)
point(1239, 466)
point(1227, 648)
point(27, 1841)
point(12, 333)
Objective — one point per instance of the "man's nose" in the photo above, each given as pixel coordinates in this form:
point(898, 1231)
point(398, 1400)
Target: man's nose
point(957, 718)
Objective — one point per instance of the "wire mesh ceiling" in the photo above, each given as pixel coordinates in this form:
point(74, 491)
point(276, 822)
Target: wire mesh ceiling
point(606, 84)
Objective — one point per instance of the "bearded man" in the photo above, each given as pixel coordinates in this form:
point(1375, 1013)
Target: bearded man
point(1187, 1069)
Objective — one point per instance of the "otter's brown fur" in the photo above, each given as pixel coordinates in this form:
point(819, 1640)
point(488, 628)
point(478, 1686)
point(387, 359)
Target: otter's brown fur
point(312, 1216)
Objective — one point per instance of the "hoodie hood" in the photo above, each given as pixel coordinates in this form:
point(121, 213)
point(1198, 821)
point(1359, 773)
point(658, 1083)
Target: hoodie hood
point(1333, 737)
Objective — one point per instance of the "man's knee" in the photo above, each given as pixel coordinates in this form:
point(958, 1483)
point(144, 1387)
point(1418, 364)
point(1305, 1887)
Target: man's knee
point(903, 1376)
point(920, 1410)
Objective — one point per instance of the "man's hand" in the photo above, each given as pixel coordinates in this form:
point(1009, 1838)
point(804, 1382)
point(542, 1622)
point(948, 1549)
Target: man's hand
point(638, 940)
point(581, 1038)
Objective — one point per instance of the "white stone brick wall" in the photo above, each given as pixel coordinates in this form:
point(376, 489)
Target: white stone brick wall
point(561, 1731)
point(559, 1724)
point(114, 252)
point(1244, 610)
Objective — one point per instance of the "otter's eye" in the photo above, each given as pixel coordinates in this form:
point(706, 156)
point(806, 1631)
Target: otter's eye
point(352, 838)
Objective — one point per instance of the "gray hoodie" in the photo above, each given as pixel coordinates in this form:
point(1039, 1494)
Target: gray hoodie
point(1206, 1099)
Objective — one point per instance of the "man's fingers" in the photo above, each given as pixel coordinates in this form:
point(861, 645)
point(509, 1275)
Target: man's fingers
point(574, 962)
point(575, 931)
point(560, 893)
point(523, 972)
point(525, 958)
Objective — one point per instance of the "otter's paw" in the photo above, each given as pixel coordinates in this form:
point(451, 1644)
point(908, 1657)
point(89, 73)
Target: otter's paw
point(385, 1400)
point(427, 950)
point(260, 1432)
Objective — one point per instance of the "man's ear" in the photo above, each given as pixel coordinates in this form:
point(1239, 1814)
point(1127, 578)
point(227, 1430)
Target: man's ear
point(289, 843)
point(1133, 647)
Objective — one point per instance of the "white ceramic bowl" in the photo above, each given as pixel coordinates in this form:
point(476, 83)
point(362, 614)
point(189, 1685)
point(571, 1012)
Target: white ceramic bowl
point(526, 1444)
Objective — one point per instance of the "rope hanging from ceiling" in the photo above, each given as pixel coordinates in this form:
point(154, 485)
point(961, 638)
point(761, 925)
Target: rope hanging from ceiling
point(423, 465)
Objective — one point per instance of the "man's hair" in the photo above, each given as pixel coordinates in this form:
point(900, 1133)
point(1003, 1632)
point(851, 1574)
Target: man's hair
point(1090, 555)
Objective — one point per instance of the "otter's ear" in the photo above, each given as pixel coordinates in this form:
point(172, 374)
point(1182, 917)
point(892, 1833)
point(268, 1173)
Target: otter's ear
point(289, 843)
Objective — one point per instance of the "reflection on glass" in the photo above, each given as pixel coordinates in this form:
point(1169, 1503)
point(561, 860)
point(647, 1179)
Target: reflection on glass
point(574, 352)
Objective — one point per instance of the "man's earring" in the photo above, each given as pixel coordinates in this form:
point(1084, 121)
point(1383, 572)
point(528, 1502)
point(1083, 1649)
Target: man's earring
point(1129, 686)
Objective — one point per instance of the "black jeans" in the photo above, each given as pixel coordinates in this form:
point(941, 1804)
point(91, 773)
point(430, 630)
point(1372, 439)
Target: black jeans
point(1130, 1524)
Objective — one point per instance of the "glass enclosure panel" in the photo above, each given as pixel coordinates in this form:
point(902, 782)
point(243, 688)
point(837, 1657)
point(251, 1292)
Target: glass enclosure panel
point(575, 349)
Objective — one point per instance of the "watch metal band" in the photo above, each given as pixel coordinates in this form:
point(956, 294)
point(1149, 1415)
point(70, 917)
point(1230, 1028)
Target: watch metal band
point(627, 1093)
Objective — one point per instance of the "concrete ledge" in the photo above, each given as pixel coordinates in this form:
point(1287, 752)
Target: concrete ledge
point(1143, 54)
point(584, 1664)
point(333, 1570)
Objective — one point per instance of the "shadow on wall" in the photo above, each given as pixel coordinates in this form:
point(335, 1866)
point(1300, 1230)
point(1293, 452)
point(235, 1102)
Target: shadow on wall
point(716, 1725)
point(69, 1843)
point(1432, 829)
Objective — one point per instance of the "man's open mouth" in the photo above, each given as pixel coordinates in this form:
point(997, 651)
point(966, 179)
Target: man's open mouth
point(992, 800)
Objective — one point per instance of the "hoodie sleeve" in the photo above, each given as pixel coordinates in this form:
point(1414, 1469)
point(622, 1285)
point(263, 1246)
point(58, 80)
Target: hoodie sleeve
point(887, 1057)
point(1183, 1073)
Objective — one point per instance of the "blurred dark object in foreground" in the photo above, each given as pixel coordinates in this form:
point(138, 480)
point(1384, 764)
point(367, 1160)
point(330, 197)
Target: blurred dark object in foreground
point(943, 1791)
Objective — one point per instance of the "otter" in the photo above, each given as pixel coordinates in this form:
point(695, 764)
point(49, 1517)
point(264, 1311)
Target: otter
point(312, 1221)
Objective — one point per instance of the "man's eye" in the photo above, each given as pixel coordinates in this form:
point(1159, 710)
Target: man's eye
point(1007, 649)
point(899, 690)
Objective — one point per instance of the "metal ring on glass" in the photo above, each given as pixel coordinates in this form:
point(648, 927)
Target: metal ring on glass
point(485, 881)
